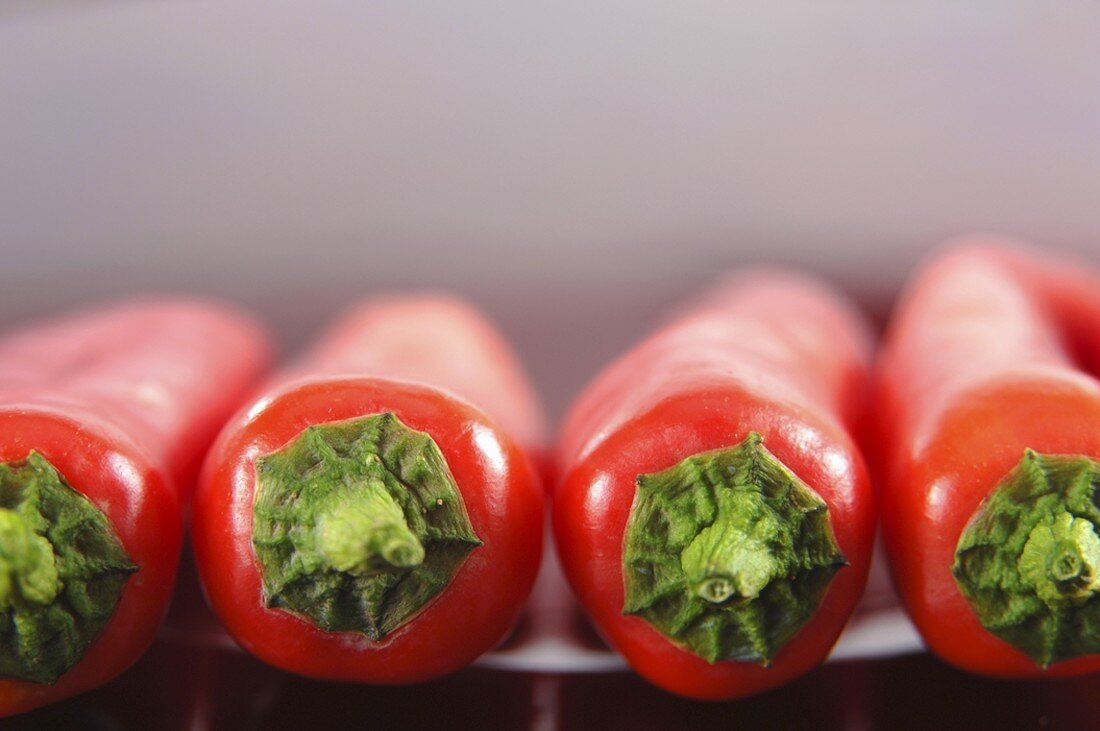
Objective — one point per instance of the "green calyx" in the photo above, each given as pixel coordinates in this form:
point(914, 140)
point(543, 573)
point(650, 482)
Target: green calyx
point(62, 571)
point(358, 524)
point(1029, 559)
point(728, 553)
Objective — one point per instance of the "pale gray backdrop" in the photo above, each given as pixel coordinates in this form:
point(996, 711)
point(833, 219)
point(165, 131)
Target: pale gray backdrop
point(574, 166)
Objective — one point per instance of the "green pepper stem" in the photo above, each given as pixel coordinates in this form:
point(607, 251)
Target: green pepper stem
point(27, 564)
point(1060, 559)
point(361, 528)
point(727, 559)
point(1028, 561)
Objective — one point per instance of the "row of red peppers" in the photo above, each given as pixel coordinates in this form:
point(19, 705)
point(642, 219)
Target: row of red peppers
point(375, 512)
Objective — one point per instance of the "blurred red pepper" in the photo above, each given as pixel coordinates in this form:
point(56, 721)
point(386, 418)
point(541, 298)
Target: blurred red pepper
point(104, 418)
point(363, 520)
point(987, 444)
point(715, 517)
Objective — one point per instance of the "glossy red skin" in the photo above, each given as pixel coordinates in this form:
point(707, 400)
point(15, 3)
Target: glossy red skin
point(144, 510)
point(442, 368)
point(957, 407)
point(166, 372)
point(498, 484)
point(444, 342)
point(440, 341)
point(680, 394)
point(67, 394)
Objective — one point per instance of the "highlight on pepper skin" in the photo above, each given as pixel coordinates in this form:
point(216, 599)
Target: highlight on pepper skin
point(105, 414)
point(715, 517)
point(381, 527)
point(988, 453)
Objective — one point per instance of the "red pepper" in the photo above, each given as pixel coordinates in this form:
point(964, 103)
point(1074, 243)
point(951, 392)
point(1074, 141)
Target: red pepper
point(103, 420)
point(364, 521)
point(715, 517)
point(987, 448)
point(442, 342)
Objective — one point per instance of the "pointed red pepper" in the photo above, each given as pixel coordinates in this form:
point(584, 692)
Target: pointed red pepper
point(104, 418)
point(715, 517)
point(988, 451)
point(375, 516)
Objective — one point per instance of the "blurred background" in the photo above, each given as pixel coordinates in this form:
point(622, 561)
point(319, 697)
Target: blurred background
point(575, 167)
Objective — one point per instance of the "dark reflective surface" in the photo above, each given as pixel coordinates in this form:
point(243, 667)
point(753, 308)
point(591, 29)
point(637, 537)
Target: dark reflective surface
point(910, 692)
point(179, 687)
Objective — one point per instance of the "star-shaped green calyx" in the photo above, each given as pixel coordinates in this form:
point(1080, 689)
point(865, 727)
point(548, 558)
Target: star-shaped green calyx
point(728, 553)
point(358, 525)
point(62, 571)
point(1029, 559)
